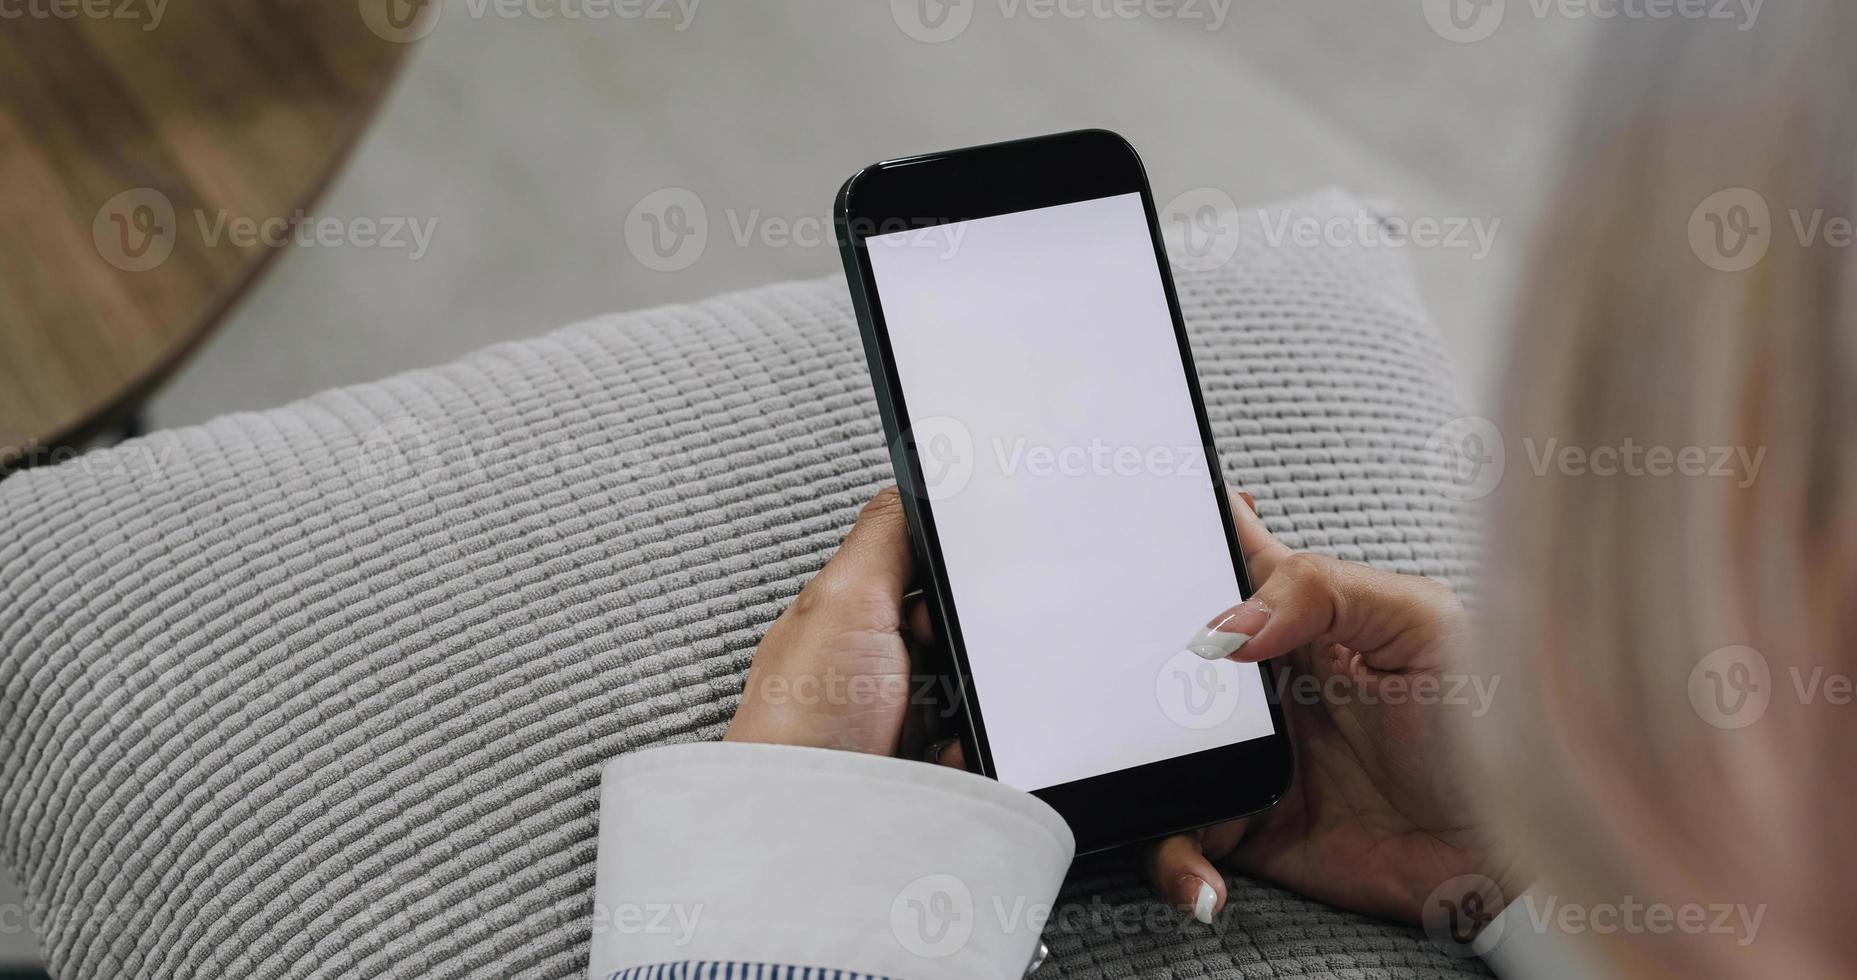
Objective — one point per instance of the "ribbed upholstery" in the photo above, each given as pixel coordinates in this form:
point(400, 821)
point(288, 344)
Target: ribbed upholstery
point(325, 690)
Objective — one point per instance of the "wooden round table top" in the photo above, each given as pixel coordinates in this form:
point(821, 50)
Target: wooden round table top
point(135, 137)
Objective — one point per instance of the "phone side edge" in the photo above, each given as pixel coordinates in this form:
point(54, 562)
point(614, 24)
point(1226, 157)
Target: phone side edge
point(858, 277)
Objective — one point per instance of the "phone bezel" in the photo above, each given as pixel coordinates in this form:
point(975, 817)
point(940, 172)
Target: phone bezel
point(1170, 796)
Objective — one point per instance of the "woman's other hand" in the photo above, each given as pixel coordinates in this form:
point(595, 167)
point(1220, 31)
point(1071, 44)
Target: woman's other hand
point(1369, 675)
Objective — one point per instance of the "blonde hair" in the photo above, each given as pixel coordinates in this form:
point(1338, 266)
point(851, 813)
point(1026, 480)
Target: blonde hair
point(1632, 612)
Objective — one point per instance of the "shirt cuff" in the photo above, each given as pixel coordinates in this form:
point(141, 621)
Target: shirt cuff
point(773, 854)
point(1519, 945)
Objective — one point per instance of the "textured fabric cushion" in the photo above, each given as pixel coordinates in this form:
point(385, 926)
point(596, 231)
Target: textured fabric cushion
point(325, 690)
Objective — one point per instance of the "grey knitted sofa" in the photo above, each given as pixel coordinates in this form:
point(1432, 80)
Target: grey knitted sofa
point(325, 690)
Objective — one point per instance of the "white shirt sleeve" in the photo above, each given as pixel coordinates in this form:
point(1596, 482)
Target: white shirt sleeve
point(767, 859)
point(1520, 945)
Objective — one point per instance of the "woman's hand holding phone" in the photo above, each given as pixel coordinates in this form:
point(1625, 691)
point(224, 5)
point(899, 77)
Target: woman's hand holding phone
point(1379, 813)
point(834, 670)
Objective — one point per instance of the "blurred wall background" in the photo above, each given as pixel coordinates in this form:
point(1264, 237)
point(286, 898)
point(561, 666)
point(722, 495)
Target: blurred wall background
point(522, 142)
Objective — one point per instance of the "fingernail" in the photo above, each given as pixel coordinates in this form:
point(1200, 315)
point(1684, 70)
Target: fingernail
point(935, 750)
point(1225, 635)
point(1203, 903)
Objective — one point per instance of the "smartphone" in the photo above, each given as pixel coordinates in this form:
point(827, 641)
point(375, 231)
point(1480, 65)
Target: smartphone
point(1071, 527)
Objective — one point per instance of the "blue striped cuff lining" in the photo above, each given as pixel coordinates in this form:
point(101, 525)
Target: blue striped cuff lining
point(712, 970)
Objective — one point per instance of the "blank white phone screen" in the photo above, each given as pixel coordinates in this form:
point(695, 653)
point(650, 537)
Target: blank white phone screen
point(1068, 484)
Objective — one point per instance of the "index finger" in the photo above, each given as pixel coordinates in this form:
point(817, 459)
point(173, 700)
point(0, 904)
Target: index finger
point(1262, 551)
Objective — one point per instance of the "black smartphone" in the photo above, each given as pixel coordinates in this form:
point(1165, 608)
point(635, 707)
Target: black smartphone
point(1064, 497)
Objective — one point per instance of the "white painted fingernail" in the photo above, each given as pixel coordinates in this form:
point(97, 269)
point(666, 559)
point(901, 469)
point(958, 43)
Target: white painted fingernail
point(1202, 905)
point(1216, 645)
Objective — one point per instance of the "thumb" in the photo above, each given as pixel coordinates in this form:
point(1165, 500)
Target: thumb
point(874, 564)
point(1182, 871)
